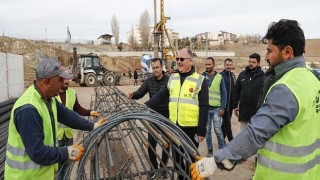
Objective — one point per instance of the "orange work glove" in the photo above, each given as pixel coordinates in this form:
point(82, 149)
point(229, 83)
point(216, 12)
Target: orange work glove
point(75, 152)
point(99, 123)
point(94, 114)
point(202, 168)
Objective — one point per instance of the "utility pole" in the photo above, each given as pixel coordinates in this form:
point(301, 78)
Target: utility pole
point(206, 44)
point(163, 31)
point(156, 36)
point(45, 31)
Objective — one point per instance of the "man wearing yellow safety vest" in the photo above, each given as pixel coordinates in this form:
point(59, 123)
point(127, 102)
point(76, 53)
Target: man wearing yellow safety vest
point(285, 130)
point(32, 148)
point(188, 100)
point(68, 97)
point(217, 104)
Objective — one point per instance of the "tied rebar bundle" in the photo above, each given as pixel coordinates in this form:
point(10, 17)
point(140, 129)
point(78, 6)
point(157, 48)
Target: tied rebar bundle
point(5, 113)
point(119, 148)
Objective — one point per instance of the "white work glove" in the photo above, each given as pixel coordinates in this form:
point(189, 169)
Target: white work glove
point(99, 123)
point(94, 114)
point(75, 152)
point(202, 168)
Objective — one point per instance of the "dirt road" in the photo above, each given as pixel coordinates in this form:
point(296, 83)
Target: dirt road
point(243, 171)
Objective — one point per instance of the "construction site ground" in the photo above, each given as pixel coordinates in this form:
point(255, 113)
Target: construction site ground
point(242, 171)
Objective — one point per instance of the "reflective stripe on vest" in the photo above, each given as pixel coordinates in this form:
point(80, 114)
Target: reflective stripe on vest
point(184, 104)
point(70, 101)
point(18, 164)
point(294, 151)
point(214, 91)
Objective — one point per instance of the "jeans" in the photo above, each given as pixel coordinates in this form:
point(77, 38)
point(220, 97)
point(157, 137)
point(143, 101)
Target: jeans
point(213, 116)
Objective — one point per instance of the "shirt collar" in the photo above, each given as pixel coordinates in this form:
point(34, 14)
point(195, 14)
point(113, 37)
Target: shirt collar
point(288, 65)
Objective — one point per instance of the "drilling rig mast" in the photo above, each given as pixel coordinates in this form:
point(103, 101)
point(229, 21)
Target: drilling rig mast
point(160, 34)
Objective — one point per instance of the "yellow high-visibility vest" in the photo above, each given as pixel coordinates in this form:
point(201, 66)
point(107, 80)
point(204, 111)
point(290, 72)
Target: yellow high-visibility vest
point(214, 91)
point(70, 101)
point(18, 164)
point(184, 103)
point(294, 151)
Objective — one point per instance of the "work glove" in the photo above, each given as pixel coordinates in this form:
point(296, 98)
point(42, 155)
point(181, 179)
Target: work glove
point(75, 152)
point(205, 167)
point(202, 168)
point(94, 114)
point(99, 123)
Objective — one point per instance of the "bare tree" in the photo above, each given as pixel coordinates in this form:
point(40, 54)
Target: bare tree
point(145, 29)
point(132, 40)
point(115, 28)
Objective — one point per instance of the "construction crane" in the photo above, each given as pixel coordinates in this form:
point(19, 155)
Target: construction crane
point(160, 34)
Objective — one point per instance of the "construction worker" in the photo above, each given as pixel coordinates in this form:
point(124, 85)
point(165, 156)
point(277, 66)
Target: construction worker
point(285, 130)
point(68, 97)
point(32, 148)
point(188, 101)
point(217, 104)
point(152, 85)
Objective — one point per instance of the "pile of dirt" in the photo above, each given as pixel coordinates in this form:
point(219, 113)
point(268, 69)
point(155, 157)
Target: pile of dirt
point(32, 51)
point(121, 64)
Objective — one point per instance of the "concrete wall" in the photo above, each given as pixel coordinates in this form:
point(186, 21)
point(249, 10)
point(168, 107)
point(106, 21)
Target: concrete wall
point(11, 76)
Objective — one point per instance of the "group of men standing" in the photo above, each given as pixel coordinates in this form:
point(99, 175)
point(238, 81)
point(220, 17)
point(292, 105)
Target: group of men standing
point(196, 101)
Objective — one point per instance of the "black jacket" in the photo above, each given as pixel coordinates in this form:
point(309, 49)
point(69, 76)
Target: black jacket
point(267, 83)
point(153, 86)
point(247, 91)
point(135, 75)
point(229, 80)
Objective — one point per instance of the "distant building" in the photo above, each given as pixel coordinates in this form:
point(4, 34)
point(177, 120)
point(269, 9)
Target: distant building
point(105, 39)
point(225, 37)
point(219, 38)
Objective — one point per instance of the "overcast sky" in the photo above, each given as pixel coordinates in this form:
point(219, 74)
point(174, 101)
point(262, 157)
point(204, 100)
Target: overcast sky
point(88, 19)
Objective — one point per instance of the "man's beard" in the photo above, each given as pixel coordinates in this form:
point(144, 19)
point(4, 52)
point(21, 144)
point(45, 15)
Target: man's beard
point(209, 70)
point(65, 88)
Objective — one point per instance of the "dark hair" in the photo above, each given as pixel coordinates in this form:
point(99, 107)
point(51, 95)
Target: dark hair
point(155, 60)
point(228, 59)
point(211, 58)
point(287, 33)
point(255, 56)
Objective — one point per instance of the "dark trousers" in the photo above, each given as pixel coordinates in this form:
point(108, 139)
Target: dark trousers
point(226, 125)
point(63, 166)
point(135, 83)
point(190, 132)
point(152, 155)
